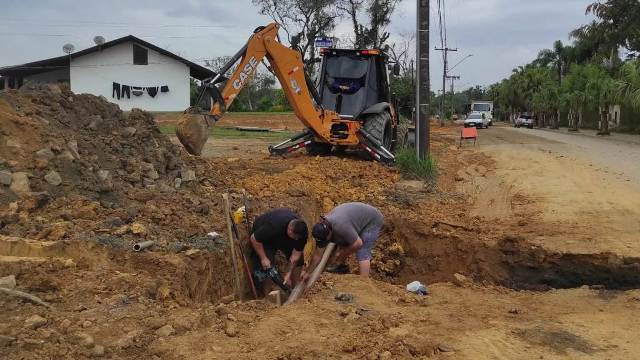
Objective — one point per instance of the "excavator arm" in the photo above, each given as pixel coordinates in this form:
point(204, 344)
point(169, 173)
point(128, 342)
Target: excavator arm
point(323, 125)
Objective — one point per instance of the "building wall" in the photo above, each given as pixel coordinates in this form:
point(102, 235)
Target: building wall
point(55, 76)
point(95, 73)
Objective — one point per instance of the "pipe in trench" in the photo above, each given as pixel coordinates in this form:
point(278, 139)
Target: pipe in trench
point(143, 245)
point(302, 286)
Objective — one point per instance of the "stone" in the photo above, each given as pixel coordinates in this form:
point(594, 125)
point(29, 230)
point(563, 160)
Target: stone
point(34, 322)
point(188, 175)
point(147, 182)
point(8, 282)
point(53, 178)
point(227, 299)
point(86, 324)
point(72, 146)
point(20, 183)
point(230, 329)
point(13, 143)
point(146, 167)
point(58, 231)
point(138, 229)
point(84, 339)
point(445, 348)
point(399, 332)
point(45, 153)
point(221, 310)
point(153, 174)
point(6, 340)
point(344, 297)
point(127, 340)
point(5, 177)
point(166, 330)
point(64, 325)
point(460, 280)
point(385, 355)
point(66, 155)
point(97, 351)
point(177, 182)
point(275, 297)
point(129, 131)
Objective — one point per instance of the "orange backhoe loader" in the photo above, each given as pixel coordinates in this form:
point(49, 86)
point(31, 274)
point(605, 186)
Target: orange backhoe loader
point(350, 109)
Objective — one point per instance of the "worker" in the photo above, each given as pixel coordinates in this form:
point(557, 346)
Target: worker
point(354, 228)
point(279, 230)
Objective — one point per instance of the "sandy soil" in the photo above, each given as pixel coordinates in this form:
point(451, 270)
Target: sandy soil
point(586, 189)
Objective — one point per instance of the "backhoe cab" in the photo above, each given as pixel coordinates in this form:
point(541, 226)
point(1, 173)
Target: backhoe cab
point(351, 107)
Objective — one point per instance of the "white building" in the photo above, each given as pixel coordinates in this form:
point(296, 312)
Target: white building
point(128, 71)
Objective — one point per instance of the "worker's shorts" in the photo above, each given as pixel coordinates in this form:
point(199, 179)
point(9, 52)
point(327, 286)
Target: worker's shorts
point(369, 237)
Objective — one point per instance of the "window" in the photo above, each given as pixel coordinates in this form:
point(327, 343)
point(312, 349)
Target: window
point(140, 55)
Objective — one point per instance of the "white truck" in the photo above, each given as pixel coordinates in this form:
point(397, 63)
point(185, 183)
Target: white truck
point(483, 107)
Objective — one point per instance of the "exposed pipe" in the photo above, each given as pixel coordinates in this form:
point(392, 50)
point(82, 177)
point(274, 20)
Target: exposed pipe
point(143, 245)
point(302, 286)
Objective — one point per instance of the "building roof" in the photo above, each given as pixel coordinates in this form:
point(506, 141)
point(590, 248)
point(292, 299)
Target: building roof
point(197, 71)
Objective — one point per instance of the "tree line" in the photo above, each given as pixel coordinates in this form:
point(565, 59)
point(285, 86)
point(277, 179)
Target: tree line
point(569, 83)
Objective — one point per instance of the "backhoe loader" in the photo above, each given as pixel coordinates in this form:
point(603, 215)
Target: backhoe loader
point(351, 107)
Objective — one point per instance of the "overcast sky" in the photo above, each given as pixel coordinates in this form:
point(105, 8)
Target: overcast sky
point(501, 34)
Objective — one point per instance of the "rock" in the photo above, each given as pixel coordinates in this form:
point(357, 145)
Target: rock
point(8, 282)
point(129, 131)
point(138, 229)
point(227, 299)
point(344, 297)
point(515, 311)
point(13, 143)
point(166, 330)
point(53, 178)
point(72, 146)
point(35, 322)
point(58, 231)
point(6, 340)
point(86, 324)
point(177, 182)
point(410, 186)
point(41, 164)
point(188, 175)
point(153, 174)
point(148, 182)
point(97, 351)
point(445, 348)
point(5, 177)
point(45, 153)
point(230, 329)
point(385, 355)
point(460, 280)
point(221, 310)
point(64, 325)
point(399, 332)
point(84, 339)
point(127, 340)
point(522, 223)
point(20, 183)
point(66, 155)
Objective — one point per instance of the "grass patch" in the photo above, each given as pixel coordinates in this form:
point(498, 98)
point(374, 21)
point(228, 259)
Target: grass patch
point(410, 165)
point(221, 132)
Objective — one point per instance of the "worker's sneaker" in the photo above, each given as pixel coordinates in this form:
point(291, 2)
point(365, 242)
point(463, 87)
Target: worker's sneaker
point(338, 269)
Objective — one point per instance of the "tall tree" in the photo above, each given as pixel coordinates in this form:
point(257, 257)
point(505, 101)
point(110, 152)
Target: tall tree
point(369, 19)
point(302, 21)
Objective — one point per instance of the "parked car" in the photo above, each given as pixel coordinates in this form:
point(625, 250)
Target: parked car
point(476, 120)
point(524, 120)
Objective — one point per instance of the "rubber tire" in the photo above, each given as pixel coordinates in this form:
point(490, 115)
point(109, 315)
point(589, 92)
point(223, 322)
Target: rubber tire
point(319, 149)
point(380, 128)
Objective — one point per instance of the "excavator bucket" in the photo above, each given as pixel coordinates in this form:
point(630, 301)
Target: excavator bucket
point(193, 131)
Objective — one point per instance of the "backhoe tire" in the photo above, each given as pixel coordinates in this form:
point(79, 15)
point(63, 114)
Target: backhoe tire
point(380, 128)
point(319, 149)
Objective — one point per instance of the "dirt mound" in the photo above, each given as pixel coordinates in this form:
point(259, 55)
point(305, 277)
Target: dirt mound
point(77, 166)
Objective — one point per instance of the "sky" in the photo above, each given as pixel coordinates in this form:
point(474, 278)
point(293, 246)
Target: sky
point(500, 34)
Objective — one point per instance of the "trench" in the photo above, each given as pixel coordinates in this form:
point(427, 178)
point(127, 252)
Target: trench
point(512, 262)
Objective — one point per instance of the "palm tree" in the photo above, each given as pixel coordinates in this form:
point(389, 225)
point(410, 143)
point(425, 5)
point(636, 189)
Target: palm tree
point(629, 83)
point(603, 90)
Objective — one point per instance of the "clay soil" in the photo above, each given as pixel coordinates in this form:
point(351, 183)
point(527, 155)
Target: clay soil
point(495, 290)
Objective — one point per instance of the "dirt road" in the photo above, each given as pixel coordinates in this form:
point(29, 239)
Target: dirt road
point(586, 189)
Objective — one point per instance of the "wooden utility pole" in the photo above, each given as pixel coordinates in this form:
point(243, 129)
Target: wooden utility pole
point(232, 247)
point(422, 83)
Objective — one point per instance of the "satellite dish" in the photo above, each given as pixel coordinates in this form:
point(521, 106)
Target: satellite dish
point(99, 40)
point(68, 48)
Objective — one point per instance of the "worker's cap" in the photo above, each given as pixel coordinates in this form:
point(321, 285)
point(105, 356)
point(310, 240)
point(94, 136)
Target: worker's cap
point(321, 231)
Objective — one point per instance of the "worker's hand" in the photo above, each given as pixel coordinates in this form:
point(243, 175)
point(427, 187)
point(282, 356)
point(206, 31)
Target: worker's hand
point(304, 275)
point(266, 263)
point(287, 279)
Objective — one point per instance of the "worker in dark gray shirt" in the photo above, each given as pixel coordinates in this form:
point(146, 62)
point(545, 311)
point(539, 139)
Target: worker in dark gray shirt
point(354, 228)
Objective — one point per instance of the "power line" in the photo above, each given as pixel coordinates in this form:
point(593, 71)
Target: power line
point(75, 23)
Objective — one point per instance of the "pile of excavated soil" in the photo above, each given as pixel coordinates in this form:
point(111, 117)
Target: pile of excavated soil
point(76, 166)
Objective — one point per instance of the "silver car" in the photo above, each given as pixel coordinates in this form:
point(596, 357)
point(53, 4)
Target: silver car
point(476, 120)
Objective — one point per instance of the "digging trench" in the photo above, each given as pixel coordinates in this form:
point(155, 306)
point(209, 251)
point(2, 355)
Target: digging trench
point(512, 262)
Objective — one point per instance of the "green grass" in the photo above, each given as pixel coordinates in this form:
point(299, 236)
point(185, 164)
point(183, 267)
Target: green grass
point(409, 164)
point(221, 132)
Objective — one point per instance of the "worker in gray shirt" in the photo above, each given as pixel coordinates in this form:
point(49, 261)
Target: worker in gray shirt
point(354, 228)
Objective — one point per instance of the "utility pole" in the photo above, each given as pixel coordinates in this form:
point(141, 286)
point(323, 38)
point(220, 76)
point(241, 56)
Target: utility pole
point(422, 83)
point(444, 79)
point(452, 78)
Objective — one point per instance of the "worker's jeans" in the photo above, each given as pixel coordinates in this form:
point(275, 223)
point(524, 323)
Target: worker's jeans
point(369, 238)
